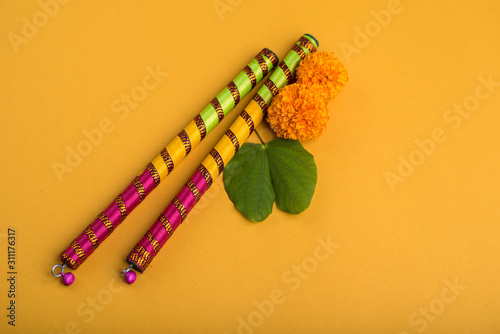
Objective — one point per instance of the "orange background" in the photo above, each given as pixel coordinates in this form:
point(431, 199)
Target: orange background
point(406, 224)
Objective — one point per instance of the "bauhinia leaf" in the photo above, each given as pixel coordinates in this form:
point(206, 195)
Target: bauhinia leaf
point(258, 175)
point(247, 181)
point(293, 173)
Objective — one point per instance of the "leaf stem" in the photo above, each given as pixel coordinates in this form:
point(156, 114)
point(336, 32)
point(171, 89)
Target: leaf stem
point(260, 138)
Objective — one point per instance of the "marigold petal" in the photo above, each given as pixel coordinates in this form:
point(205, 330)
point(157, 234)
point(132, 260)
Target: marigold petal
point(323, 72)
point(298, 113)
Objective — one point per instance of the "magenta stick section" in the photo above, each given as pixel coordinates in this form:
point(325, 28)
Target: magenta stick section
point(173, 216)
point(131, 198)
point(114, 214)
point(84, 242)
point(147, 181)
point(147, 246)
point(159, 232)
point(187, 198)
point(100, 231)
point(71, 253)
point(200, 182)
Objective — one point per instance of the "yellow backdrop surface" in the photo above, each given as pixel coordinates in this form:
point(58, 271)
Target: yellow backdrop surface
point(403, 232)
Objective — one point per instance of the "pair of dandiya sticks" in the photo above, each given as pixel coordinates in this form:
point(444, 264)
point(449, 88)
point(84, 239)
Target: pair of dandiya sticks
point(212, 166)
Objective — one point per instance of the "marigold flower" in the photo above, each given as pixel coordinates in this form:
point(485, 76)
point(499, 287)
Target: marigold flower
point(298, 113)
point(323, 72)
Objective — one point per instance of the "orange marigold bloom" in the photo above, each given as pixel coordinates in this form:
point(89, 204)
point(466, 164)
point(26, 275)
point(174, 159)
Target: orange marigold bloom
point(298, 113)
point(323, 72)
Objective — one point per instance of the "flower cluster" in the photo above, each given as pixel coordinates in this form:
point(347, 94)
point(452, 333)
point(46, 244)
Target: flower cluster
point(299, 111)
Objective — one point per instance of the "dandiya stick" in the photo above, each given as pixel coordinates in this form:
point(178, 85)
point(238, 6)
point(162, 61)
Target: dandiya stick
point(176, 212)
point(158, 169)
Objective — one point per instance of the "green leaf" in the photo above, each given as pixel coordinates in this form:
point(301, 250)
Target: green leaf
point(293, 173)
point(247, 181)
point(258, 175)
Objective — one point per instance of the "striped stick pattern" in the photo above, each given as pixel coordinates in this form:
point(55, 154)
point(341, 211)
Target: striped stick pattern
point(170, 157)
point(176, 212)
